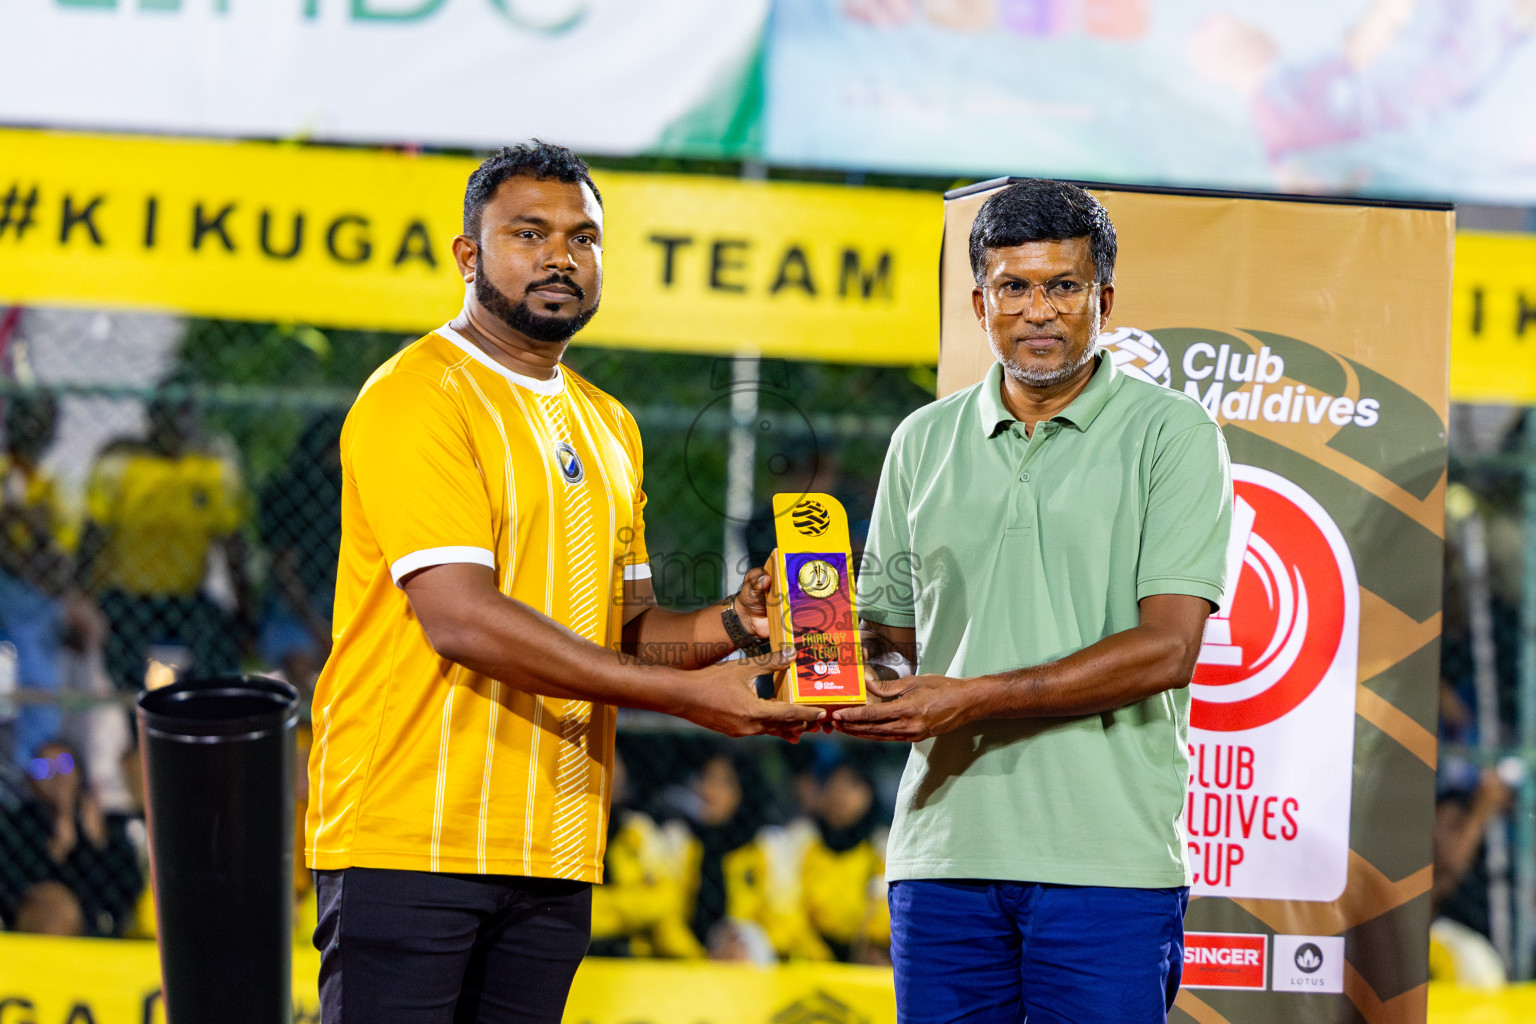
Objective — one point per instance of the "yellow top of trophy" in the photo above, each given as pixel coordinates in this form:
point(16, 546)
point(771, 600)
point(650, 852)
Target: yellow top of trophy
point(810, 522)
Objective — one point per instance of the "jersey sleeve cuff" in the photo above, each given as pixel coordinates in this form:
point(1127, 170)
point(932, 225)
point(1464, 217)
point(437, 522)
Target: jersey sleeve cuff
point(1180, 585)
point(888, 617)
point(637, 571)
point(407, 564)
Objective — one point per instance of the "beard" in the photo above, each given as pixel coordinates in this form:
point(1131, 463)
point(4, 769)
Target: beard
point(1047, 378)
point(520, 316)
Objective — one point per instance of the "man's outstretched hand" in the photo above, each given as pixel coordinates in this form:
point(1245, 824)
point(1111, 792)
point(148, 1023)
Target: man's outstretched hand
point(752, 600)
point(724, 698)
point(911, 709)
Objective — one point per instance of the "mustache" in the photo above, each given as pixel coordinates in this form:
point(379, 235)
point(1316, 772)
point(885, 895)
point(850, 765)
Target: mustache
point(561, 279)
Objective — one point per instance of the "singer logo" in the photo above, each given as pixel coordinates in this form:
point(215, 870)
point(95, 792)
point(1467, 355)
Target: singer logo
point(1221, 960)
point(1283, 622)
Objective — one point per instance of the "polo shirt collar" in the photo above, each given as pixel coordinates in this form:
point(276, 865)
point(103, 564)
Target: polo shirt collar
point(1084, 409)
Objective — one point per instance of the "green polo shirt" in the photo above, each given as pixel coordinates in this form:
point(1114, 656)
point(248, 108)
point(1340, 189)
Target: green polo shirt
point(1006, 551)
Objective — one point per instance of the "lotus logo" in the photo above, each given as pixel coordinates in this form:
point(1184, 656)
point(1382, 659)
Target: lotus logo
point(810, 518)
point(1309, 959)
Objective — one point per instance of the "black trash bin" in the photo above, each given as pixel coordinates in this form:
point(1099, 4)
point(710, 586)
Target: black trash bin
point(219, 762)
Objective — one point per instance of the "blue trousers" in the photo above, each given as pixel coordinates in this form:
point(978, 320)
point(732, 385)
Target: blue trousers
point(1004, 952)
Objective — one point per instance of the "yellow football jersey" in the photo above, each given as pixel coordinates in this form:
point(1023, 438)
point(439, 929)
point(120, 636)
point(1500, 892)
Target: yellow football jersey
point(162, 513)
point(33, 490)
point(417, 762)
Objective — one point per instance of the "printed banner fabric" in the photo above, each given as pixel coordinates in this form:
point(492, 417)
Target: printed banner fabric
point(53, 981)
point(604, 76)
point(1419, 100)
point(361, 238)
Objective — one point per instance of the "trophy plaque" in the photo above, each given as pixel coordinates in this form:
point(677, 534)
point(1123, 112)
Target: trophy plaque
point(811, 602)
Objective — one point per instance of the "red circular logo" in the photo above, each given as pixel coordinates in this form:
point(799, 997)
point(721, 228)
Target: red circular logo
point(1279, 634)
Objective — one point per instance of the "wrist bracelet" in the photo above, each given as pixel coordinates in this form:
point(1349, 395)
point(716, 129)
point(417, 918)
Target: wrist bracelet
point(749, 643)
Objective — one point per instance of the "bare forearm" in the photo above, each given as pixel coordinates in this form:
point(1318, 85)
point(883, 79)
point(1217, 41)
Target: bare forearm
point(1156, 655)
point(469, 621)
point(504, 639)
point(684, 640)
point(1119, 670)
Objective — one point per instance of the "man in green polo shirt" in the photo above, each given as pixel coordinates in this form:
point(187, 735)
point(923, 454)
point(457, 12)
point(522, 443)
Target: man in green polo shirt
point(1049, 543)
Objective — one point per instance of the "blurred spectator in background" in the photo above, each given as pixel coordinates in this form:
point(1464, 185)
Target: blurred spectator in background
point(1467, 803)
point(725, 810)
point(843, 873)
point(301, 530)
point(49, 908)
point(141, 922)
point(158, 509)
point(641, 909)
point(734, 941)
point(60, 834)
point(34, 568)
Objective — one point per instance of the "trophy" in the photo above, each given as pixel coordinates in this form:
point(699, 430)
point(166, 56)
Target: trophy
point(810, 603)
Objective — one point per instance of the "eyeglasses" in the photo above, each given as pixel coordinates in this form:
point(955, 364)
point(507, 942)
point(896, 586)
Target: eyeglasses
point(1065, 296)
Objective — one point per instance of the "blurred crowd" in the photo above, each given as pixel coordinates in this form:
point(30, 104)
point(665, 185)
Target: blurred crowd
point(1475, 898)
point(739, 851)
point(154, 568)
point(707, 857)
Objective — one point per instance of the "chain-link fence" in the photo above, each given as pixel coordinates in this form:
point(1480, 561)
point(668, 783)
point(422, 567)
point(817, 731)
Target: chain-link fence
point(170, 492)
point(171, 495)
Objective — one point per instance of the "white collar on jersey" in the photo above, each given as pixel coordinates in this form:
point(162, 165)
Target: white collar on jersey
point(554, 386)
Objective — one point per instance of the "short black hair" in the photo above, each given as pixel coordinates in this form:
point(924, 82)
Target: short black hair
point(1038, 210)
point(537, 159)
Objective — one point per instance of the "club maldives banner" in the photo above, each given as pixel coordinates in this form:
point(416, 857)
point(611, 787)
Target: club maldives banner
point(1317, 335)
point(1383, 97)
point(609, 76)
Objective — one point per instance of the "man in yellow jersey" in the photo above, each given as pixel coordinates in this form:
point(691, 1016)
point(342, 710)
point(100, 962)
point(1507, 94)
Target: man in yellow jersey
point(493, 572)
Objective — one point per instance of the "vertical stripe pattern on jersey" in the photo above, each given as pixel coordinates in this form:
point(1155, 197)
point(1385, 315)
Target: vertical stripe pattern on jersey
point(568, 839)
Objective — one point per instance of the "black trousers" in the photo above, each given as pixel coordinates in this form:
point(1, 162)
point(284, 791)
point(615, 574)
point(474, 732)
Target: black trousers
point(418, 947)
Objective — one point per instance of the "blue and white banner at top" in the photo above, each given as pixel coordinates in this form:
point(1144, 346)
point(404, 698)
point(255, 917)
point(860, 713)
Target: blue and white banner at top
point(602, 76)
point(1404, 98)
point(1421, 98)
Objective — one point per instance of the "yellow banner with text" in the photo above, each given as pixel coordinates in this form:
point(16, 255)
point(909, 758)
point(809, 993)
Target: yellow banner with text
point(1493, 318)
point(97, 981)
point(361, 238)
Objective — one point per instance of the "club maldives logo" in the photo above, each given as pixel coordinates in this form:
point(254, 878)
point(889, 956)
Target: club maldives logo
point(1238, 380)
point(810, 518)
point(1291, 592)
point(1139, 354)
